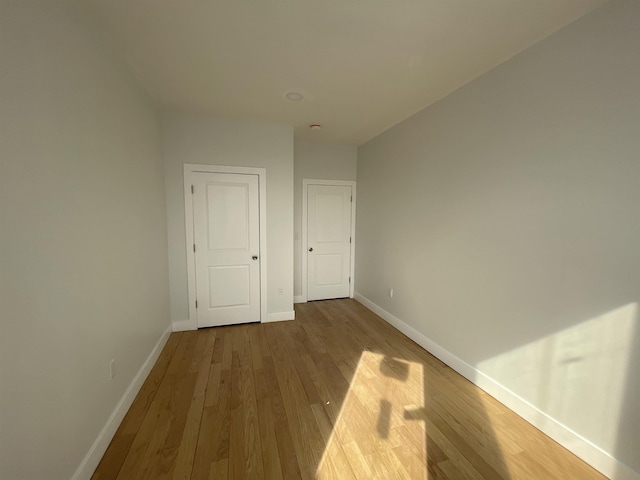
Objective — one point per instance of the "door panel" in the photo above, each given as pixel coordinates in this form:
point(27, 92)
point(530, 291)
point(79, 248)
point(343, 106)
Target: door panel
point(329, 225)
point(227, 238)
point(329, 270)
point(228, 206)
point(229, 286)
point(328, 241)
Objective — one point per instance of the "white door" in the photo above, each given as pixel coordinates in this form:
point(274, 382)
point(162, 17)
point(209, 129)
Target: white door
point(328, 241)
point(227, 244)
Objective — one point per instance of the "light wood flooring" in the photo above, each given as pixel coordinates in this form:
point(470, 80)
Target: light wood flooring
point(335, 394)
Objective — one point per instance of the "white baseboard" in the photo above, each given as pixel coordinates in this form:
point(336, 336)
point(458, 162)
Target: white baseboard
point(580, 446)
point(95, 453)
point(184, 326)
point(279, 316)
point(299, 299)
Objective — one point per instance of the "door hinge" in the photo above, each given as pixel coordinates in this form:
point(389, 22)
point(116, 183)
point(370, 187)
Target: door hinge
point(349, 279)
point(349, 239)
point(194, 247)
point(191, 189)
point(351, 198)
point(196, 303)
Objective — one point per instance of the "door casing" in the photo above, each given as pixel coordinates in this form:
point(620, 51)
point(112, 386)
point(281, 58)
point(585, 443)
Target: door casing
point(305, 190)
point(189, 169)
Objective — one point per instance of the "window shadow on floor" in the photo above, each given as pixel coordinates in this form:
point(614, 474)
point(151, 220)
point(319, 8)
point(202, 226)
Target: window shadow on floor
point(409, 415)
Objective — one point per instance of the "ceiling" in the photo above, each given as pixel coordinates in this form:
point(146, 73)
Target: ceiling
point(362, 65)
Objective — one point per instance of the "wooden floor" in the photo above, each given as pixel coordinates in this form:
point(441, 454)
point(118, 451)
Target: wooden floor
point(335, 394)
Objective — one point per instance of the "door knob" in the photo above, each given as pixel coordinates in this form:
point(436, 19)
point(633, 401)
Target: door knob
point(311, 249)
point(255, 257)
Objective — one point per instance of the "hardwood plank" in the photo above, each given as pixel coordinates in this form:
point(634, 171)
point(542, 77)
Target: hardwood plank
point(188, 441)
point(213, 438)
point(245, 450)
point(285, 446)
point(264, 392)
point(302, 426)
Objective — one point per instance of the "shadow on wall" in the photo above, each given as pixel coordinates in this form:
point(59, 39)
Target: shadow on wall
point(582, 376)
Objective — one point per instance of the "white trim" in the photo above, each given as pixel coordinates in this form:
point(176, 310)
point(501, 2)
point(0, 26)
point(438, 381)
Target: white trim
point(184, 326)
point(189, 169)
point(280, 316)
point(94, 455)
point(299, 299)
point(572, 441)
point(305, 185)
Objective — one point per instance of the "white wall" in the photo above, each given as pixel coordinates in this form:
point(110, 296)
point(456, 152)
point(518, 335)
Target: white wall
point(321, 162)
point(213, 141)
point(83, 237)
point(506, 219)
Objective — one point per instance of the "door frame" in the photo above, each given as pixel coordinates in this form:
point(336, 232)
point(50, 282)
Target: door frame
point(189, 170)
point(303, 250)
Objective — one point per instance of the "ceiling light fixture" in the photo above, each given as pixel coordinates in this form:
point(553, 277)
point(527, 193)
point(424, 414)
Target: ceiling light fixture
point(294, 96)
point(315, 126)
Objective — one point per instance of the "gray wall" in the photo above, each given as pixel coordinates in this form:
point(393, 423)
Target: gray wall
point(318, 161)
point(209, 140)
point(506, 219)
point(83, 247)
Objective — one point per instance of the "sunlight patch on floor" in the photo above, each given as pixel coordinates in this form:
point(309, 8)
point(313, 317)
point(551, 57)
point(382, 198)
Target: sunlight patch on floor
point(373, 437)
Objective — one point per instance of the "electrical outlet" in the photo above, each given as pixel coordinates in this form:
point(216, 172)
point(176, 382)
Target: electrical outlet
point(112, 368)
point(280, 291)
point(391, 292)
